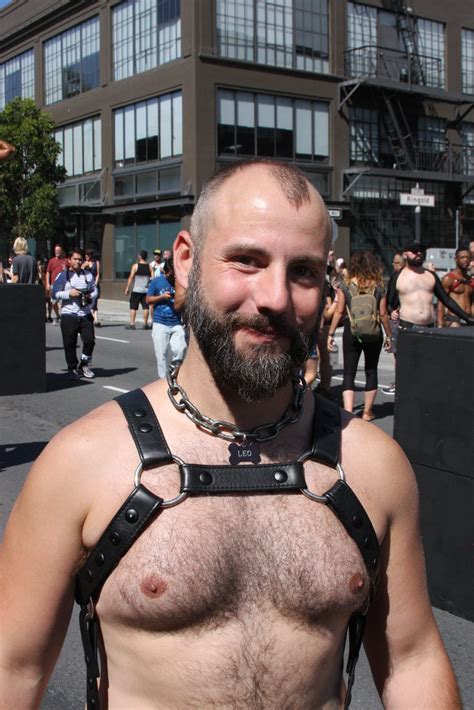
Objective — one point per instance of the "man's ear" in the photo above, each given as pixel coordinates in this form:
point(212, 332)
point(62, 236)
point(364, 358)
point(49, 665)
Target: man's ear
point(183, 257)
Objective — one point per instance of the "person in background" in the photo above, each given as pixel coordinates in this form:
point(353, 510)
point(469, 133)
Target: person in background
point(140, 276)
point(365, 278)
point(398, 264)
point(76, 288)
point(459, 285)
point(155, 263)
point(92, 265)
point(24, 268)
point(56, 265)
point(168, 332)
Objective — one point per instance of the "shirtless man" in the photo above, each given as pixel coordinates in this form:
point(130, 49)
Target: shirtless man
point(458, 284)
point(411, 292)
point(240, 600)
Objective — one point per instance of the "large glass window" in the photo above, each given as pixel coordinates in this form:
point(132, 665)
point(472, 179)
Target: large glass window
point(467, 49)
point(148, 131)
point(81, 146)
point(467, 137)
point(285, 33)
point(431, 51)
point(361, 40)
point(135, 232)
point(146, 33)
point(71, 62)
point(17, 78)
point(364, 135)
point(251, 124)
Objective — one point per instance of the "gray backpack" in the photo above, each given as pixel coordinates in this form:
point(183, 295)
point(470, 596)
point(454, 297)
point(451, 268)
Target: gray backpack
point(363, 314)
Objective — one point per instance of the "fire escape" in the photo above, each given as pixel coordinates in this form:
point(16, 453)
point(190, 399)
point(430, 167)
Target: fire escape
point(393, 80)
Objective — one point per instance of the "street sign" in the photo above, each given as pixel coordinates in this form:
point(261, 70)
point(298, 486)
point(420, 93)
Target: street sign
point(416, 198)
point(335, 213)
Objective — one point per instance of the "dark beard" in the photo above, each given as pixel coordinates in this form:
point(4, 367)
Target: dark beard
point(416, 261)
point(257, 372)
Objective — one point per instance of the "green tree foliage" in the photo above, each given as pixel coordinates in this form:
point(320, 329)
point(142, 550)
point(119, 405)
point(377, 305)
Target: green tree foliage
point(28, 179)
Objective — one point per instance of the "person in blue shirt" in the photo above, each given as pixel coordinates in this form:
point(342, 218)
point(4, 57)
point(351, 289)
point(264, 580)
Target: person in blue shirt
point(168, 332)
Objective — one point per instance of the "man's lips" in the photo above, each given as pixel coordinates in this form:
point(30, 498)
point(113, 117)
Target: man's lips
point(268, 334)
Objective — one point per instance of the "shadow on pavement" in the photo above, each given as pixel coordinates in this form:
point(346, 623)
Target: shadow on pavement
point(56, 381)
point(16, 454)
point(385, 409)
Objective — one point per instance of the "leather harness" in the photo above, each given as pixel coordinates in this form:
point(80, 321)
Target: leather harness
point(143, 506)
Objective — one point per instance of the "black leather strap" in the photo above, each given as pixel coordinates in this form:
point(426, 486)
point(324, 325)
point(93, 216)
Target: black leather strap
point(326, 431)
point(267, 478)
point(129, 522)
point(345, 504)
point(355, 634)
point(90, 635)
point(145, 429)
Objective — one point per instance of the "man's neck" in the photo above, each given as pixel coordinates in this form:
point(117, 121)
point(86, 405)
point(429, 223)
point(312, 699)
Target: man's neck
point(217, 403)
point(416, 269)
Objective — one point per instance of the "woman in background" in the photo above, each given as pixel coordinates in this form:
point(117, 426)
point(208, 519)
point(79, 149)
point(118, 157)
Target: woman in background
point(93, 265)
point(365, 277)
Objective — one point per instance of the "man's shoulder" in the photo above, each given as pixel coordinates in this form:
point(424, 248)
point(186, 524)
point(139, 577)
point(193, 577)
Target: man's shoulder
point(375, 463)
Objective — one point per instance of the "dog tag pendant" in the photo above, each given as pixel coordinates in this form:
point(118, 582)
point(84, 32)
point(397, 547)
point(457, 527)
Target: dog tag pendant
point(247, 452)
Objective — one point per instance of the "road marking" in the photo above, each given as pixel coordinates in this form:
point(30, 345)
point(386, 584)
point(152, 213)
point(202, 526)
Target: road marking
point(114, 340)
point(115, 389)
point(358, 382)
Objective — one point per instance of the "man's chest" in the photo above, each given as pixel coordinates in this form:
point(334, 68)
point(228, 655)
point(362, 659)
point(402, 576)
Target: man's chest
point(216, 557)
point(413, 284)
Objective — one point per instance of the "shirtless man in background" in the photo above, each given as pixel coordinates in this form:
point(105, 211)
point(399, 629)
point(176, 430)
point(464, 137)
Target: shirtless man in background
point(237, 600)
point(412, 289)
point(459, 284)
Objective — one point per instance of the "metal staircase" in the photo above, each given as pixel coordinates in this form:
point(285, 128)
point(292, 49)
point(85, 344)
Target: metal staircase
point(398, 133)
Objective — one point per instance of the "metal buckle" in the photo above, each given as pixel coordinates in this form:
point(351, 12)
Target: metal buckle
point(165, 503)
point(323, 498)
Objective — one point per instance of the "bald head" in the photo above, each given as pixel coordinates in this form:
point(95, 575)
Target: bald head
point(227, 185)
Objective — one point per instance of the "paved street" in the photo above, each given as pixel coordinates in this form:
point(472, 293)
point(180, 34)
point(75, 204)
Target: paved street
point(124, 360)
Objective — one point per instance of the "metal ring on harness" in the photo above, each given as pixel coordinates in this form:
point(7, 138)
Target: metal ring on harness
point(323, 498)
point(166, 503)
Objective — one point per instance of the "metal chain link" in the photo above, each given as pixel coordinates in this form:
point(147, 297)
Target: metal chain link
point(227, 430)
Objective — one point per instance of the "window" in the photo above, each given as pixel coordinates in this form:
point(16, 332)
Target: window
point(17, 78)
point(467, 137)
point(141, 231)
point(364, 135)
point(146, 33)
point(71, 62)
point(284, 33)
point(361, 40)
point(148, 131)
point(81, 147)
point(431, 52)
point(261, 125)
point(467, 49)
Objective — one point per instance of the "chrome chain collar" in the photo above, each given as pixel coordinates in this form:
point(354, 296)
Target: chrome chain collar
point(227, 430)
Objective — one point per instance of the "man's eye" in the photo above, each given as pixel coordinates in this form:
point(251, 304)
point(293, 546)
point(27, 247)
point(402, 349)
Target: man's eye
point(304, 272)
point(245, 260)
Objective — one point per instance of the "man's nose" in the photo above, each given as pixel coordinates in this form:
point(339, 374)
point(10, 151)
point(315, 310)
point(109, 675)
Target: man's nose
point(272, 290)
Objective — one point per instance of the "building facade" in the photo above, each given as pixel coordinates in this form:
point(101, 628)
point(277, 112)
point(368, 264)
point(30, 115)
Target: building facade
point(149, 96)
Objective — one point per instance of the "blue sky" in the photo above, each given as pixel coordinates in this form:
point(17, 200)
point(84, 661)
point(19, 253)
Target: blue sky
point(4, 2)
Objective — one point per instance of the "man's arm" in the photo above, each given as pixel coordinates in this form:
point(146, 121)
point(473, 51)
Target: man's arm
point(6, 149)
point(450, 304)
point(407, 657)
point(446, 283)
point(15, 275)
point(41, 550)
point(133, 271)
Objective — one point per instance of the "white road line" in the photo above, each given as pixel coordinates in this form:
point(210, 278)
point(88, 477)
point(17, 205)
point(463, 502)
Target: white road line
point(114, 340)
point(358, 382)
point(115, 389)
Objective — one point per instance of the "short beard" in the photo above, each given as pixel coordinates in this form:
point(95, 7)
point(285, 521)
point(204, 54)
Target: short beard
point(415, 261)
point(257, 372)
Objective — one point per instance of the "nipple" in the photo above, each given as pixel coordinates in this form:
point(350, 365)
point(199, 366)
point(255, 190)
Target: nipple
point(153, 586)
point(357, 583)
